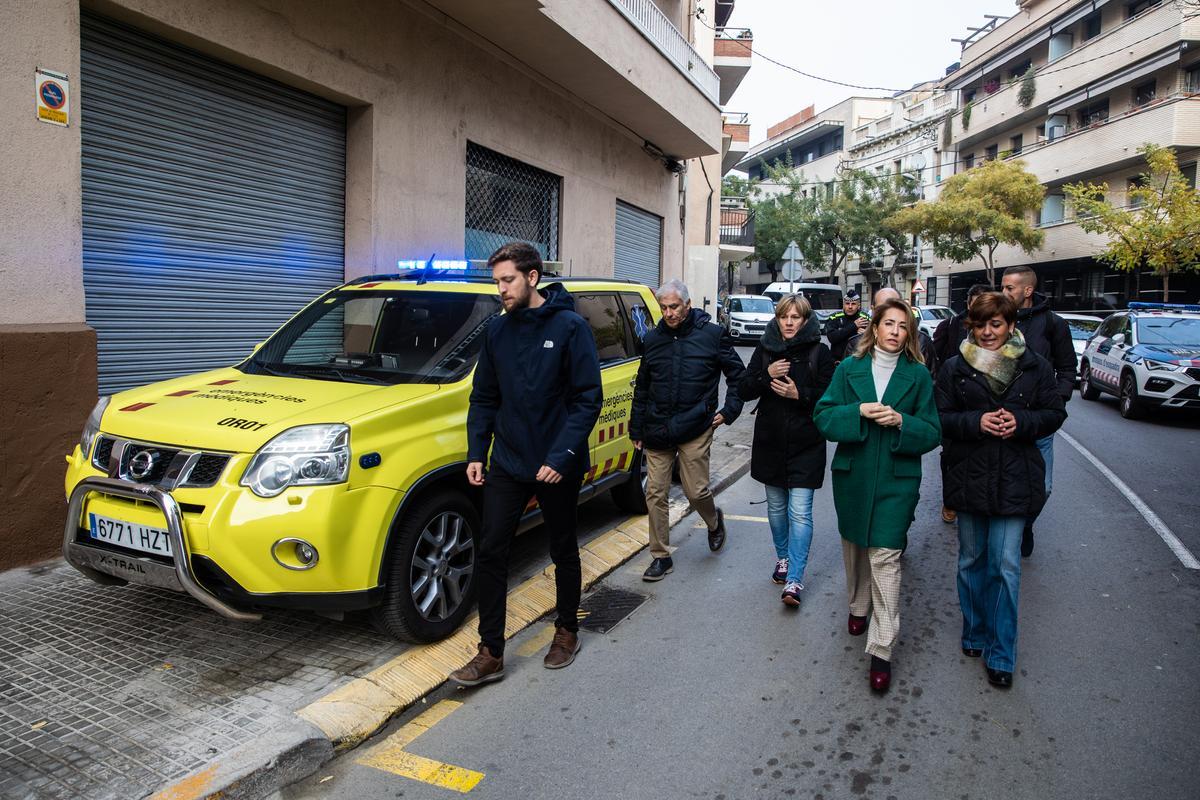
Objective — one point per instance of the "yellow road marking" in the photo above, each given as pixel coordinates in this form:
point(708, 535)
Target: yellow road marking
point(426, 770)
point(390, 755)
point(536, 643)
point(736, 518)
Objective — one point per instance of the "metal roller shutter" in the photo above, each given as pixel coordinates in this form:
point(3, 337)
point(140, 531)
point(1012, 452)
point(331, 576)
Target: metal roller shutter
point(639, 246)
point(213, 204)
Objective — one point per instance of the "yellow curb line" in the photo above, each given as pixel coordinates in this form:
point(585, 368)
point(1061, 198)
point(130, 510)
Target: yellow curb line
point(354, 711)
point(390, 755)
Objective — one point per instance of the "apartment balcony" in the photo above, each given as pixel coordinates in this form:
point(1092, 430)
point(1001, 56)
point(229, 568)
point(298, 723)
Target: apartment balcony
point(1064, 240)
point(732, 50)
point(735, 139)
point(623, 57)
point(1148, 35)
point(737, 231)
point(1109, 146)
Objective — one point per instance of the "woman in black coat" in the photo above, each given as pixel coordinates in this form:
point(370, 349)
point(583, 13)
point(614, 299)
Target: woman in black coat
point(788, 373)
point(996, 399)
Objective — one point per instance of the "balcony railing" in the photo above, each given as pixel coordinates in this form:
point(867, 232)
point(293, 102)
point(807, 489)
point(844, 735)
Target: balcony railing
point(658, 30)
point(735, 118)
point(738, 234)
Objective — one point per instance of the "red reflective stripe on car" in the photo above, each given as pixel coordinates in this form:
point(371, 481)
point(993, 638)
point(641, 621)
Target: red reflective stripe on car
point(621, 461)
point(601, 436)
point(223, 383)
point(367, 285)
point(182, 393)
point(137, 406)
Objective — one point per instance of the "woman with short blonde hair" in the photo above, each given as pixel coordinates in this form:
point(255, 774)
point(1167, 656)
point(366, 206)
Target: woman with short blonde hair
point(788, 373)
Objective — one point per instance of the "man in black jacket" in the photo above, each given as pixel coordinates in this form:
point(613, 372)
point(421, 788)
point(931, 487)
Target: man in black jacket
point(949, 335)
point(1048, 335)
point(842, 325)
point(675, 412)
point(535, 399)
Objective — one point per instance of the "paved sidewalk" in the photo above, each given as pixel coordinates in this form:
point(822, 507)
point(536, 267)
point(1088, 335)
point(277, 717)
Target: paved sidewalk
point(128, 692)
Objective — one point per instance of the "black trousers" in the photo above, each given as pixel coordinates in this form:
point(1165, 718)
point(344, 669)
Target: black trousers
point(504, 501)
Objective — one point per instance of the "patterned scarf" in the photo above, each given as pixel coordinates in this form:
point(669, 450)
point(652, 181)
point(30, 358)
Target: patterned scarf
point(999, 367)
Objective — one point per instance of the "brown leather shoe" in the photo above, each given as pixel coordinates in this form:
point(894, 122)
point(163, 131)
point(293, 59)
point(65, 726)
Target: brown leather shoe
point(483, 668)
point(562, 650)
point(856, 625)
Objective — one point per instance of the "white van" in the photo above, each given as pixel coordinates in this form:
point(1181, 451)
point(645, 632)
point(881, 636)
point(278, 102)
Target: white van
point(825, 298)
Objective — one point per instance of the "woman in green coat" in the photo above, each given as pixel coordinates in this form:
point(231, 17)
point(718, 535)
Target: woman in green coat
point(880, 410)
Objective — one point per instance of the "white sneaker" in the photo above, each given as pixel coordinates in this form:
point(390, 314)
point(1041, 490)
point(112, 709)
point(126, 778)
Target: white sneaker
point(791, 594)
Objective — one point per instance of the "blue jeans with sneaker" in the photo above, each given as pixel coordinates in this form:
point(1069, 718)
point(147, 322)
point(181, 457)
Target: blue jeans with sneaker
point(789, 512)
point(989, 580)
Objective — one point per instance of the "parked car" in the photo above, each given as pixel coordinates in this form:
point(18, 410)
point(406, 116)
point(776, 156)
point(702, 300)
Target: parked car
point(1147, 356)
point(932, 316)
point(327, 470)
point(747, 315)
point(1082, 327)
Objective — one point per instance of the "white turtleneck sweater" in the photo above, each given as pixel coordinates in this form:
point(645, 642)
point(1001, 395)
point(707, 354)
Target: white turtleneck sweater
point(883, 364)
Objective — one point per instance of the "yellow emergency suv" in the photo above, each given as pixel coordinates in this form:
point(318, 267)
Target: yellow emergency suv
point(327, 470)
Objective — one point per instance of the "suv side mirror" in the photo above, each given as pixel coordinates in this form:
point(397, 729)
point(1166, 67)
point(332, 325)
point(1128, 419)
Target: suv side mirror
point(1118, 339)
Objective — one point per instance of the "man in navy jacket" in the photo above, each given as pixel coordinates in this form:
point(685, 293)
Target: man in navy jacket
point(535, 399)
point(675, 411)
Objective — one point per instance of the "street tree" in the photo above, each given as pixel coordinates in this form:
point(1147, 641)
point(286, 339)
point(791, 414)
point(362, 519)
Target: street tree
point(1159, 226)
point(736, 186)
point(830, 221)
point(977, 211)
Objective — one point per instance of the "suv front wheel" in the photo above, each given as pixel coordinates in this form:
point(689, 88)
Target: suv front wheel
point(431, 575)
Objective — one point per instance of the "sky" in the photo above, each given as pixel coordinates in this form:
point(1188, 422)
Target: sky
point(886, 43)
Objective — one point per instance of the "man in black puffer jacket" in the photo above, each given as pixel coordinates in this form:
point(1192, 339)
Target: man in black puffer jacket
point(675, 411)
point(1048, 335)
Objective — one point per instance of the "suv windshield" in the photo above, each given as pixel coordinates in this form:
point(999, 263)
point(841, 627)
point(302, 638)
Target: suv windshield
point(383, 337)
point(1173, 331)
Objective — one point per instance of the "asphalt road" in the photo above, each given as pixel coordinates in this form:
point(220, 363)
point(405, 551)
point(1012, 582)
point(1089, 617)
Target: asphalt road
point(712, 689)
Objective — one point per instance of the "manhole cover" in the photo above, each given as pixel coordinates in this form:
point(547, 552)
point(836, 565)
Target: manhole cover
point(607, 607)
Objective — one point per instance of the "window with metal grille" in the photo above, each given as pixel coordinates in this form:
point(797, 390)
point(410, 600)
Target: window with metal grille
point(509, 200)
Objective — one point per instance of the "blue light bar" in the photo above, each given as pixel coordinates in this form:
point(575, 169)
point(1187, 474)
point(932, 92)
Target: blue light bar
point(436, 265)
point(1164, 306)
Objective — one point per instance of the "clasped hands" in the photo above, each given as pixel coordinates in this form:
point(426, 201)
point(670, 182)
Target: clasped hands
point(881, 414)
point(999, 423)
point(781, 382)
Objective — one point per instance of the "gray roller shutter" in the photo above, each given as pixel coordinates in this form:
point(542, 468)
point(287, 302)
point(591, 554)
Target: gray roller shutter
point(213, 204)
point(639, 245)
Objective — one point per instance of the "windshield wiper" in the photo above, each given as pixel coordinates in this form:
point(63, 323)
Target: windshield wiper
point(319, 370)
point(265, 367)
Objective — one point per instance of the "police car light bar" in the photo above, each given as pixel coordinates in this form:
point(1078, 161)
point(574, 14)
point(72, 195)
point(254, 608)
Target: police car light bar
point(1191, 307)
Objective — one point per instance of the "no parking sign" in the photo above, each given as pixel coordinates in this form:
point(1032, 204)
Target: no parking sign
point(53, 97)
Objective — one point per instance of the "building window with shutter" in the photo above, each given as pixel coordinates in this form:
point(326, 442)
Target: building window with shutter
point(509, 200)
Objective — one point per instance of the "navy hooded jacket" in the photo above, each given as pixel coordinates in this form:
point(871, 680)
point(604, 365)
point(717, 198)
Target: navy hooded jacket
point(537, 391)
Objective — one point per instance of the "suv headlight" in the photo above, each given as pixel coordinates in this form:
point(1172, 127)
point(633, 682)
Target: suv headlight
point(308, 455)
point(91, 428)
point(1161, 366)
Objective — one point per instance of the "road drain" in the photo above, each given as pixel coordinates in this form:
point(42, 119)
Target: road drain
point(607, 607)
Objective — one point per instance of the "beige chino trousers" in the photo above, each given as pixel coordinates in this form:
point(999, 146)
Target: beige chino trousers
point(693, 472)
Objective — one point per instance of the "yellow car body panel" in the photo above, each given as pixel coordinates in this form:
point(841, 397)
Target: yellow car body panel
point(415, 429)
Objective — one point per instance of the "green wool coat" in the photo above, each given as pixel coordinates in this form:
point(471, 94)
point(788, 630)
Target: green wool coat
point(877, 470)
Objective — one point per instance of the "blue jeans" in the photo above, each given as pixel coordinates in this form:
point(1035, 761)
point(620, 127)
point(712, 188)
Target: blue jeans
point(989, 579)
point(790, 513)
point(1046, 445)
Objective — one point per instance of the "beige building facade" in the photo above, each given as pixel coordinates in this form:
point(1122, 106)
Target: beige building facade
point(1109, 77)
point(600, 100)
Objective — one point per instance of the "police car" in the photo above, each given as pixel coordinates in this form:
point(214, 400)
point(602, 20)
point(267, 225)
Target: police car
point(1147, 356)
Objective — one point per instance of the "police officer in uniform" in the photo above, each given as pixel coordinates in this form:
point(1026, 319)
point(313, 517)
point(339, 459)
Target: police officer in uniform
point(845, 324)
